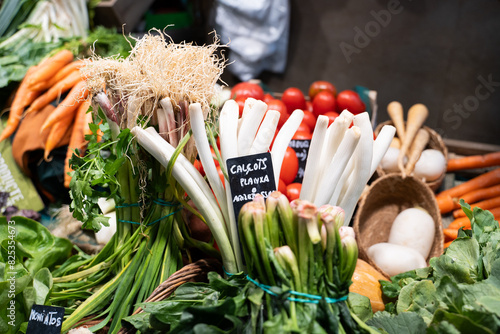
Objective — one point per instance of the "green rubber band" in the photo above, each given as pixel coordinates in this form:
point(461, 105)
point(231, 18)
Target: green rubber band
point(153, 222)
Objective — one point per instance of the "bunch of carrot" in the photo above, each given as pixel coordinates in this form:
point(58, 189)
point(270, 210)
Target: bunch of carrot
point(482, 191)
point(44, 84)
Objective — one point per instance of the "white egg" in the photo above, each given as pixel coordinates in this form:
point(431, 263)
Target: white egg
point(389, 162)
point(395, 259)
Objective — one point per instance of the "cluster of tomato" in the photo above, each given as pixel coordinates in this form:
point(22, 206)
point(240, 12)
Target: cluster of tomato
point(322, 99)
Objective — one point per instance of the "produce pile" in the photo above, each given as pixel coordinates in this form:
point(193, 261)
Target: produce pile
point(191, 174)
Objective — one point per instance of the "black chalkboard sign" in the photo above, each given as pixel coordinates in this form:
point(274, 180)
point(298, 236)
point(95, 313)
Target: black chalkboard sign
point(45, 320)
point(250, 175)
point(301, 148)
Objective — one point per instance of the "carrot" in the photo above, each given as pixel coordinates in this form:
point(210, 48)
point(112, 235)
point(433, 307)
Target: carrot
point(460, 222)
point(445, 203)
point(57, 132)
point(55, 91)
point(77, 139)
point(485, 205)
point(60, 75)
point(395, 111)
point(68, 106)
point(474, 161)
point(416, 117)
point(418, 145)
point(450, 233)
point(447, 244)
point(482, 181)
point(24, 96)
point(464, 221)
point(50, 66)
point(480, 194)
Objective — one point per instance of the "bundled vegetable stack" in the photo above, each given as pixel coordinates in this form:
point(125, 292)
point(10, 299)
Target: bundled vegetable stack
point(304, 258)
point(151, 87)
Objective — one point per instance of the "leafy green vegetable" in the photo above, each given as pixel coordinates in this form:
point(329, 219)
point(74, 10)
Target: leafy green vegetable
point(460, 291)
point(404, 323)
point(27, 253)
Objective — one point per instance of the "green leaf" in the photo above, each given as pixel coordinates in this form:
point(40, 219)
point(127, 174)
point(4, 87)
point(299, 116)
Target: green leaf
point(360, 305)
point(404, 323)
point(419, 297)
point(462, 323)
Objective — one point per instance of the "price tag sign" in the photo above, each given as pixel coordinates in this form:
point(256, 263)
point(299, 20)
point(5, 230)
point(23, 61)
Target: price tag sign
point(248, 176)
point(45, 320)
point(301, 148)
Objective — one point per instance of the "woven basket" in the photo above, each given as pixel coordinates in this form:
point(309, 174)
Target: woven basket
point(384, 199)
point(435, 142)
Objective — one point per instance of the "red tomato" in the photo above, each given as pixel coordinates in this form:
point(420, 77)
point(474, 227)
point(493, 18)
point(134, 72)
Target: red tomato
point(281, 107)
point(293, 191)
point(318, 86)
point(281, 186)
point(309, 106)
point(268, 97)
point(303, 127)
point(221, 175)
point(323, 102)
point(301, 135)
point(290, 166)
point(197, 164)
point(241, 103)
point(350, 100)
point(293, 98)
point(309, 119)
point(331, 116)
point(247, 89)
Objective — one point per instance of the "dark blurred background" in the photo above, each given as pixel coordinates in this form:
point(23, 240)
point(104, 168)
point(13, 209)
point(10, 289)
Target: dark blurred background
point(443, 54)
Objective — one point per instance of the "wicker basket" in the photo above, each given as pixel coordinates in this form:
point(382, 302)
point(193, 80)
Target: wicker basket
point(435, 142)
point(385, 198)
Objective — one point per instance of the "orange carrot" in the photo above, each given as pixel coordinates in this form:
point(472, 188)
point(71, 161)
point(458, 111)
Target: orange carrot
point(480, 194)
point(55, 91)
point(447, 244)
point(57, 132)
point(50, 66)
point(60, 75)
point(68, 106)
point(450, 233)
point(77, 139)
point(24, 96)
point(482, 181)
point(464, 221)
point(474, 161)
point(460, 222)
point(445, 203)
point(487, 204)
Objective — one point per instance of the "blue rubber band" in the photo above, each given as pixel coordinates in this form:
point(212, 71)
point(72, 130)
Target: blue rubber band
point(313, 299)
point(126, 205)
point(153, 222)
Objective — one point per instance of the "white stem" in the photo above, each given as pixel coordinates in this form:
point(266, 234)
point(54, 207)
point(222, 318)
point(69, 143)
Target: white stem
point(201, 140)
point(381, 145)
point(362, 164)
point(246, 134)
point(337, 166)
point(192, 188)
point(168, 151)
point(228, 130)
point(266, 132)
point(169, 111)
point(344, 181)
point(312, 171)
point(283, 139)
point(162, 123)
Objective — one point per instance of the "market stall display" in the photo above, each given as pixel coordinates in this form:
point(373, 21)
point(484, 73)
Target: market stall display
point(233, 207)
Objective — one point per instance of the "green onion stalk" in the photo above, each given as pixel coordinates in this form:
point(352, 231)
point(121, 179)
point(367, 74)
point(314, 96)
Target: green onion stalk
point(152, 238)
point(306, 268)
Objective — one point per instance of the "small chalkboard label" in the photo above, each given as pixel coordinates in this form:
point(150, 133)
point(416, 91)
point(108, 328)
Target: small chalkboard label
point(45, 320)
point(250, 175)
point(301, 148)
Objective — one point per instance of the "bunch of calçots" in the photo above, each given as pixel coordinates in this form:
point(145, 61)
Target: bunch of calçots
point(303, 258)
